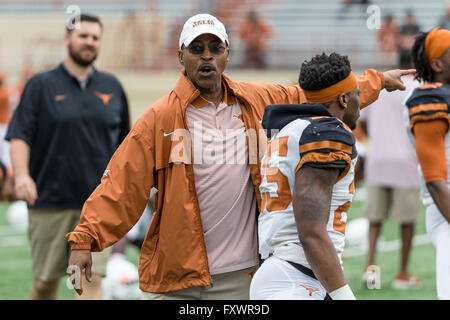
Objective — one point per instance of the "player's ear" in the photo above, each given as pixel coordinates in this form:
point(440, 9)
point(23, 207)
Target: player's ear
point(66, 37)
point(343, 100)
point(437, 65)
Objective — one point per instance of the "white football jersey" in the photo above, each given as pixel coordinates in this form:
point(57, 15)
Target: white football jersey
point(429, 102)
point(324, 141)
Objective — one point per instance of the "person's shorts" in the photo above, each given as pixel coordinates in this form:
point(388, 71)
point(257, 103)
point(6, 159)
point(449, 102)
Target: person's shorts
point(50, 251)
point(404, 204)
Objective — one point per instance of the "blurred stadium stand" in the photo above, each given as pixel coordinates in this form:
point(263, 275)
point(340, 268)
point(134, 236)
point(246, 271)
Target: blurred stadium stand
point(143, 34)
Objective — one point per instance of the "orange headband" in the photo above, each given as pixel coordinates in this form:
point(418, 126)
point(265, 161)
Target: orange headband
point(436, 43)
point(328, 94)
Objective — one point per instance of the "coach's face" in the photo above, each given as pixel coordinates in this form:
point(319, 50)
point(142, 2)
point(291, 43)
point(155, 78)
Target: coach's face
point(84, 43)
point(351, 113)
point(204, 60)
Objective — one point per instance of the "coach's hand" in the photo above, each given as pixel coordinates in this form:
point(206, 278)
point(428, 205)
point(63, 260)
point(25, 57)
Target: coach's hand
point(79, 260)
point(25, 189)
point(393, 79)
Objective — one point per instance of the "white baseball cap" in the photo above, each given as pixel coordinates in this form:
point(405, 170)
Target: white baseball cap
point(200, 24)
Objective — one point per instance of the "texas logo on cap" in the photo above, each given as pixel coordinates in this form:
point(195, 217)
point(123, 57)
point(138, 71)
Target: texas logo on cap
point(201, 24)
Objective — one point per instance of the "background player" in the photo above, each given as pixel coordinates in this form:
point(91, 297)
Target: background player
point(68, 124)
point(390, 173)
point(428, 110)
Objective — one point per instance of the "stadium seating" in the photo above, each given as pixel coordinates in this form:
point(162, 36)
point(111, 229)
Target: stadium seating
point(302, 27)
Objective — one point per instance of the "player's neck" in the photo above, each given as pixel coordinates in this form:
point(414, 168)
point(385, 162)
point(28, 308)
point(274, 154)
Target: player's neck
point(441, 78)
point(80, 72)
point(335, 110)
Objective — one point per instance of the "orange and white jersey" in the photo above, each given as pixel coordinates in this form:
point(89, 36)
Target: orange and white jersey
point(307, 134)
point(427, 103)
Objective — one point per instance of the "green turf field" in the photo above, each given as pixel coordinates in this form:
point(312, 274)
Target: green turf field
point(15, 268)
point(145, 88)
point(15, 263)
point(421, 264)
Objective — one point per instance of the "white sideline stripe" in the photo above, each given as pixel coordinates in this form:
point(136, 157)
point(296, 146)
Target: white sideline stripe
point(13, 241)
point(8, 230)
point(384, 246)
point(5, 229)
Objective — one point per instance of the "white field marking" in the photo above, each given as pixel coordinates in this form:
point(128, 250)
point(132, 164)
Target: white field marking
point(10, 237)
point(360, 194)
point(384, 246)
point(8, 230)
point(13, 241)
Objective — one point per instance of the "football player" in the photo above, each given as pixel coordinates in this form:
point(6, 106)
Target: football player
point(428, 111)
point(307, 186)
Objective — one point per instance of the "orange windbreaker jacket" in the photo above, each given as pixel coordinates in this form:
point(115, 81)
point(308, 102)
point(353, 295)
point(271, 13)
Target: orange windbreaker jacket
point(173, 255)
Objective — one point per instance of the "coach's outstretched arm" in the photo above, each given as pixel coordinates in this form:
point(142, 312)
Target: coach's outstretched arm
point(117, 203)
point(312, 198)
point(393, 79)
point(372, 82)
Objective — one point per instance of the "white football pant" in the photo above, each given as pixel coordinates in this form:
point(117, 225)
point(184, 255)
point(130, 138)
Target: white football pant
point(276, 279)
point(438, 230)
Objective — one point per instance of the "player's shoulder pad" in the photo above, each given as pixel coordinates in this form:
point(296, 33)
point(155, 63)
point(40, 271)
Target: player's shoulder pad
point(327, 135)
point(428, 102)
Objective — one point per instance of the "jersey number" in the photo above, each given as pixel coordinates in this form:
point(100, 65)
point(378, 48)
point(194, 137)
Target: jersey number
point(338, 224)
point(274, 175)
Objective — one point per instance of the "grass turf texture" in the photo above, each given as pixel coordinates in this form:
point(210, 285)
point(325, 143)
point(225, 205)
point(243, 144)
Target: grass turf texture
point(143, 89)
point(15, 264)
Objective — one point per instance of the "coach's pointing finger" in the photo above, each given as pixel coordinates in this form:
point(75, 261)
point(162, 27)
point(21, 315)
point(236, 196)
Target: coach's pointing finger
point(393, 79)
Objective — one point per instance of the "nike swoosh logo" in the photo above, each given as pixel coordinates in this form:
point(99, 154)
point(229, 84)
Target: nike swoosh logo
point(167, 134)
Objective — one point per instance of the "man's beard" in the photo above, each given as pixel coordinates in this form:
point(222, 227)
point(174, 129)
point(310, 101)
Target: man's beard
point(78, 59)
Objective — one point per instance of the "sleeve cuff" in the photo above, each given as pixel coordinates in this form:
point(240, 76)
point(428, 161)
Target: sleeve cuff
point(79, 240)
point(382, 79)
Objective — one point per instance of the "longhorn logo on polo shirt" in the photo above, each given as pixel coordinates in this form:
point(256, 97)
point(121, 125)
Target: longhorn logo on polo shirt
point(60, 97)
point(104, 97)
point(238, 116)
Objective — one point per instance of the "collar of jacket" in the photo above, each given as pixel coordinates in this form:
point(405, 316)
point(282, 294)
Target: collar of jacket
point(187, 92)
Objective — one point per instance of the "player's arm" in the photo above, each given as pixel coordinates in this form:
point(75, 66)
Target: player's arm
point(430, 148)
point(311, 202)
point(21, 132)
point(24, 186)
point(429, 123)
